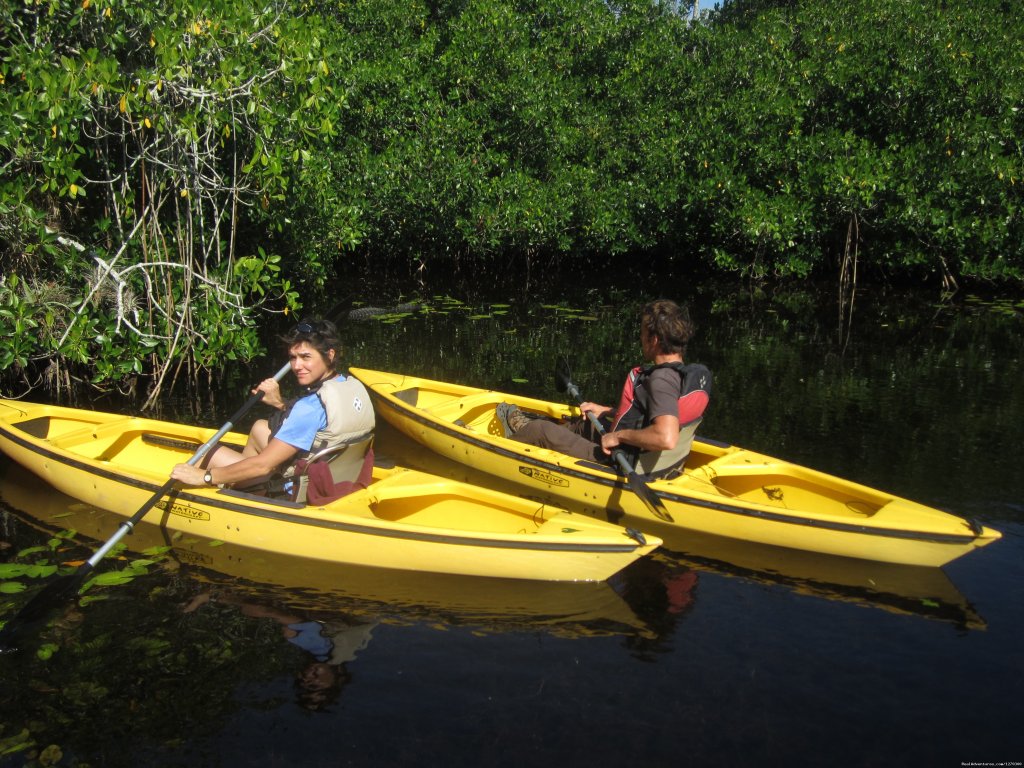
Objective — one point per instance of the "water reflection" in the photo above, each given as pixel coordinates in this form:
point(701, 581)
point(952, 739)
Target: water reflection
point(926, 592)
point(328, 643)
point(901, 589)
point(372, 594)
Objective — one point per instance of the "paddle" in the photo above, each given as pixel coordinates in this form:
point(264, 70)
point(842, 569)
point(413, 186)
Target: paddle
point(65, 587)
point(563, 381)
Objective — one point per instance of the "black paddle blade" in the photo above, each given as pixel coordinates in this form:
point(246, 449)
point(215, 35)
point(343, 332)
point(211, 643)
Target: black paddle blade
point(649, 497)
point(563, 376)
point(61, 590)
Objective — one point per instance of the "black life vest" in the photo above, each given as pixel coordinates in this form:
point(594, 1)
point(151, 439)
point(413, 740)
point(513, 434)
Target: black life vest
point(634, 412)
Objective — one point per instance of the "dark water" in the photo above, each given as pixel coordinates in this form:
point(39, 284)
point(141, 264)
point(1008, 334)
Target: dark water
point(711, 655)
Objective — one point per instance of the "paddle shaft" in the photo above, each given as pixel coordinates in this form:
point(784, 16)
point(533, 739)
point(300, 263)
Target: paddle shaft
point(637, 483)
point(617, 453)
point(127, 526)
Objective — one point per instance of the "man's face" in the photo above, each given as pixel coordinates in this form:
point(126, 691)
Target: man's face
point(648, 344)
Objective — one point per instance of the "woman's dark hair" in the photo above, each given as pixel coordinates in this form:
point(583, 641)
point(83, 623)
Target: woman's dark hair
point(670, 323)
point(321, 335)
point(316, 699)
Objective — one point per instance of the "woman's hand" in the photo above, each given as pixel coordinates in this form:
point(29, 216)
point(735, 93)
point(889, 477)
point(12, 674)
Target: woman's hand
point(186, 474)
point(271, 393)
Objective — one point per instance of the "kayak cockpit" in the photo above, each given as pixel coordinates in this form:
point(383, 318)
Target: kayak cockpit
point(761, 480)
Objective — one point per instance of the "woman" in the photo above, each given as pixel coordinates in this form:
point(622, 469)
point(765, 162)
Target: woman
point(332, 409)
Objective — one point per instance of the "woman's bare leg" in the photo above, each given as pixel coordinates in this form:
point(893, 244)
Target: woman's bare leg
point(222, 455)
point(259, 436)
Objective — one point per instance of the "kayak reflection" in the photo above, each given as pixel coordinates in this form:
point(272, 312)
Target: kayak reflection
point(904, 589)
point(569, 609)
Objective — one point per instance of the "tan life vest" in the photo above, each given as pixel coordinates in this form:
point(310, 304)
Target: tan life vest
point(349, 413)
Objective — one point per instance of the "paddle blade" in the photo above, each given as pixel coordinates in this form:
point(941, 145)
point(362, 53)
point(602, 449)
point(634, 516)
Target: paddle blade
point(61, 590)
point(649, 497)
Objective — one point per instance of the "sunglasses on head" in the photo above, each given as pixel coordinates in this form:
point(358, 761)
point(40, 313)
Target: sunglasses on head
point(305, 327)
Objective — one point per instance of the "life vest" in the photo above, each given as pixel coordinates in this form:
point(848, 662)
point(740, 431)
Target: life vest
point(350, 417)
point(634, 409)
point(349, 412)
point(347, 405)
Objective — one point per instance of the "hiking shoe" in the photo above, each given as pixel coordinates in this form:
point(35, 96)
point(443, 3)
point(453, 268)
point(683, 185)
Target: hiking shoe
point(511, 418)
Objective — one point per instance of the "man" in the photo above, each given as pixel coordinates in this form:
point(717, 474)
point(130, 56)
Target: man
point(658, 412)
point(331, 409)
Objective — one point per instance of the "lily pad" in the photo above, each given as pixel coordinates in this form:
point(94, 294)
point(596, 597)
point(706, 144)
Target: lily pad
point(13, 570)
point(19, 742)
point(46, 650)
point(113, 578)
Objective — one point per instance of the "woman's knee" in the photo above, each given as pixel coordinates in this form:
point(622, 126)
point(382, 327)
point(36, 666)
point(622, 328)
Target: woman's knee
point(259, 436)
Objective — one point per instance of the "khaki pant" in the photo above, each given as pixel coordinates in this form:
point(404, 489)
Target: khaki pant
point(576, 438)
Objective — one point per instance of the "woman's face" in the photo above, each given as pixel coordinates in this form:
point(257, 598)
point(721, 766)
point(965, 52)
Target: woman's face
point(308, 365)
point(318, 676)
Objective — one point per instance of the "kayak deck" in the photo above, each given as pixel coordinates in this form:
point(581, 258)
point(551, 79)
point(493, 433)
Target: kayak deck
point(724, 470)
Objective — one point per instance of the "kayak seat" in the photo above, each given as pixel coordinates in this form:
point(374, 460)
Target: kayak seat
point(345, 461)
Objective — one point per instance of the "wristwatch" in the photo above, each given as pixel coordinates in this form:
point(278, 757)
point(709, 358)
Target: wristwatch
point(208, 477)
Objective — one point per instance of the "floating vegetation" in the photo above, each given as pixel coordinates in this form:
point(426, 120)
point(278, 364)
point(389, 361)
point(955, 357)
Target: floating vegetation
point(33, 563)
point(393, 317)
point(17, 742)
point(40, 562)
point(443, 305)
point(570, 313)
point(1006, 307)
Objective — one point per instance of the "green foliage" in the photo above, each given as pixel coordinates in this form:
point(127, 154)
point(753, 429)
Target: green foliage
point(899, 118)
point(130, 166)
point(172, 172)
point(16, 324)
point(771, 141)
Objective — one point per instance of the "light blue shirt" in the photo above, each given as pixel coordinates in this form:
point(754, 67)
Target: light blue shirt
point(310, 639)
point(306, 418)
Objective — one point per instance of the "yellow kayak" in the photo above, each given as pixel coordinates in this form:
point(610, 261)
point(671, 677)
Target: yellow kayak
point(405, 519)
point(725, 491)
point(570, 609)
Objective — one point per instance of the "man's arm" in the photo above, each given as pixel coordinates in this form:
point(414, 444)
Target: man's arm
point(662, 434)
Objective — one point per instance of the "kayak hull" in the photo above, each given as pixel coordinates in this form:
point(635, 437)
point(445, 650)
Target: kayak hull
point(405, 519)
point(725, 491)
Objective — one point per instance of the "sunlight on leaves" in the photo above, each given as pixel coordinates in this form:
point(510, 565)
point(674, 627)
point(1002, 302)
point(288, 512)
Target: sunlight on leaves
point(46, 650)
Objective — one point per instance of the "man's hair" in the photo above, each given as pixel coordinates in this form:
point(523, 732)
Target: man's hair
point(322, 335)
point(670, 323)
